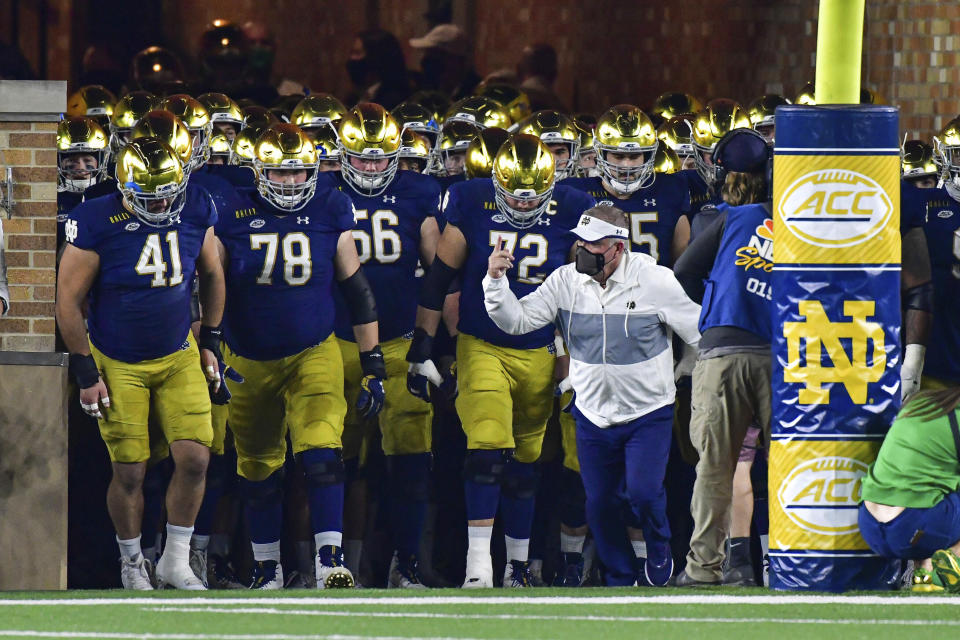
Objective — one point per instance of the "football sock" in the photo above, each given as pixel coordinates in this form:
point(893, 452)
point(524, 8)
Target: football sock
point(305, 557)
point(352, 551)
point(639, 548)
point(739, 551)
point(572, 544)
point(264, 551)
point(518, 499)
point(200, 543)
point(263, 509)
point(410, 479)
point(178, 543)
point(479, 540)
point(765, 544)
point(129, 549)
point(324, 492)
point(211, 494)
point(517, 548)
point(482, 496)
point(328, 538)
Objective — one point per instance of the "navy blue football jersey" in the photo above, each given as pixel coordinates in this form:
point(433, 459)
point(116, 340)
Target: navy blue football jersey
point(280, 273)
point(537, 251)
point(387, 234)
point(653, 212)
point(702, 201)
point(140, 301)
point(942, 229)
point(66, 202)
point(224, 194)
point(240, 177)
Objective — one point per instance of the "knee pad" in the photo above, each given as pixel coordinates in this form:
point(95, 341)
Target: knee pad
point(322, 467)
point(263, 494)
point(573, 499)
point(520, 480)
point(410, 475)
point(485, 466)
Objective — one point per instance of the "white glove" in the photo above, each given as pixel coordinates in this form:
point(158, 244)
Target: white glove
point(564, 386)
point(911, 370)
point(687, 361)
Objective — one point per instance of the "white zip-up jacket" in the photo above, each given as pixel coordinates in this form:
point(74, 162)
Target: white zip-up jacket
point(621, 359)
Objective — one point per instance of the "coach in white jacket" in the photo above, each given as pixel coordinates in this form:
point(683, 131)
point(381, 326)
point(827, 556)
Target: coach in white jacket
point(613, 309)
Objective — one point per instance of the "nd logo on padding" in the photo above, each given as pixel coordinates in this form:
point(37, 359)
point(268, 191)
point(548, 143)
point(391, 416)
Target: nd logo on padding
point(821, 495)
point(835, 208)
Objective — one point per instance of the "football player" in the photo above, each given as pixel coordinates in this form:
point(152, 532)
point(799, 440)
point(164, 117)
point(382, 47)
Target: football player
point(676, 133)
point(587, 157)
point(93, 101)
point(224, 113)
point(482, 150)
point(282, 250)
point(414, 152)
point(917, 164)
point(396, 226)
point(454, 140)
point(480, 112)
point(506, 382)
point(318, 112)
point(718, 118)
point(514, 100)
point(416, 117)
point(762, 113)
point(558, 132)
point(126, 114)
point(130, 256)
point(81, 162)
point(673, 104)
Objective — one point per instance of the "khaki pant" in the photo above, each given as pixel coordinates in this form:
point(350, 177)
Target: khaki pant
point(729, 393)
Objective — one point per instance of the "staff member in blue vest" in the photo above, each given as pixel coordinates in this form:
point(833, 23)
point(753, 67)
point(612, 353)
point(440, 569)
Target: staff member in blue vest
point(729, 268)
point(613, 308)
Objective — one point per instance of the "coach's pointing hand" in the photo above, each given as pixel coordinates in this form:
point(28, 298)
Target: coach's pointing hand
point(500, 259)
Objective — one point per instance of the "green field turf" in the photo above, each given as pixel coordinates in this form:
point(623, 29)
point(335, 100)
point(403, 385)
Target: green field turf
point(589, 614)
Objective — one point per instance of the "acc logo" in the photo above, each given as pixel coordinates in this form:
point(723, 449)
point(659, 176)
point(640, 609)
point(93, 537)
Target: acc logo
point(132, 226)
point(835, 208)
point(946, 213)
point(819, 334)
point(256, 223)
point(821, 495)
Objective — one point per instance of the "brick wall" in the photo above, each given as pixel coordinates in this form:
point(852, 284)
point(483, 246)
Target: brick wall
point(30, 234)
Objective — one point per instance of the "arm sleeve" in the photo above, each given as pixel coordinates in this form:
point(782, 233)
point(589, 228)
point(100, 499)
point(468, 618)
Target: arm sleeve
point(516, 317)
point(693, 267)
point(678, 311)
point(4, 290)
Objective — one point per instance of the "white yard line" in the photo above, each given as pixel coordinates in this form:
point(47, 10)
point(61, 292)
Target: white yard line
point(426, 601)
point(574, 618)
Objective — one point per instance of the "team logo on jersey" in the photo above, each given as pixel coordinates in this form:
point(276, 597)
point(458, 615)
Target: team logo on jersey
point(758, 254)
point(256, 223)
point(817, 334)
point(499, 218)
point(649, 202)
point(946, 213)
point(605, 203)
point(70, 230)
point(821, 495)
point(835, 208)
point(132, 226)
point(62, 217)
point(303, 220)
point(390, 199)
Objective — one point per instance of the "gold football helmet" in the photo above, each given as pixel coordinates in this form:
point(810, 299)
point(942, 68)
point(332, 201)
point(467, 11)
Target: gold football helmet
point(127, 113)
point(437, 102)
point(155, 67)
point(150, 176)
point(627, 131)
point(162, 124)
point(285, 147)
point(762, 112)
point(369, 137)
point(554, 128)
point(587, 158)
point(666, 160)
point(524, 174)
point(222, 111)
point(194, 115)
point(916, 160)
point(479, 111)
point(677, 133)
point(946, 150)
point(257, 116)
point(414, 151)
point(410, 115)
point(328, 146)
point(806, 95)
point(454, 140)
point(316, 111)
point(93, 101)
point(77, 136)
point(219, 148)
point(241, 149)
point(719, 118)
point(482, 150)
point(514, 100)
point(673, 104)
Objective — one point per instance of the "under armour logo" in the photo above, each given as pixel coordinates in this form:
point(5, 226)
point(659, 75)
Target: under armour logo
point(303, 220)
point(390, 199)
point(544, 221)
point(651, 202)
point(818, 331)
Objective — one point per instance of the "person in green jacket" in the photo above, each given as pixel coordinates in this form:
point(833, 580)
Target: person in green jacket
point(911, 502)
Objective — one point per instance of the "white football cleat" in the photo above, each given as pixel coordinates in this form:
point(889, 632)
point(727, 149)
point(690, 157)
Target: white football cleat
point(267, 575)
point(134, 574)
point(479, 572)
point(177, 576)
point(331, 574)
